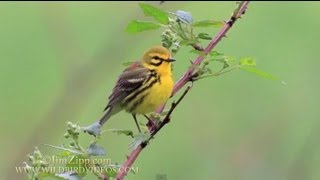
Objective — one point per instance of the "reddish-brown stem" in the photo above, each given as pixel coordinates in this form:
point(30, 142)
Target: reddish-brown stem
point(185, 78)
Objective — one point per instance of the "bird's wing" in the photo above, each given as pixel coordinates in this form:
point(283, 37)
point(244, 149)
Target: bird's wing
point(131, 79)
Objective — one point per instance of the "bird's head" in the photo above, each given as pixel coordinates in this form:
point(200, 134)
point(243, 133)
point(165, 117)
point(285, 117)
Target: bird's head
point(158, 58)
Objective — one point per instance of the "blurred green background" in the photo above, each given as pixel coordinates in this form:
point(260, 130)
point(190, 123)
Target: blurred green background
point(59, 62)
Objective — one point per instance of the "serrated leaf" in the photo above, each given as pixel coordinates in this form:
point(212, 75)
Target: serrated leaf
point(247, 62)
point(208, 23)
point(95, 150)
point(73, 151)
point(205, 36)
point(158, 14)
point(184, 16)
point(258, 72)
point(126, 132)
point(137, 26)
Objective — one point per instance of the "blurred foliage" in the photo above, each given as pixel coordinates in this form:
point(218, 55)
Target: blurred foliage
point(58, 61)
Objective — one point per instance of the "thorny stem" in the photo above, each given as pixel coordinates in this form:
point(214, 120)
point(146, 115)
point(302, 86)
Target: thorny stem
point(238, 12)
point(167, 117)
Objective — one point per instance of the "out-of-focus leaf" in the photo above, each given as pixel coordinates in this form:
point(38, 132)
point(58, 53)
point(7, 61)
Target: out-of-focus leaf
point(64, 154)
point(126, 132)
point(258, 72)
point(111, 170)
point(158, 14)
point(205, 36)
point(227, 61)
point(188, 42)
point(95, 150)
point(73, 151)
point(247, 62)
point(184, 16)
point(137, 26)
point(215, 53)
point(208, 23)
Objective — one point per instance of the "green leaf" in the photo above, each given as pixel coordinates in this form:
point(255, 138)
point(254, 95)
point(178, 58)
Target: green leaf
point(64, 154)
point(205, 36)
point(65, 149)
point(122, 131)
point(158, 14)
point(208, 23)
point(137, 26)
point(247, 62)
point(220, 57)
point(188, 42)
point(258, 72)
point(111, 170)
point(215, 54)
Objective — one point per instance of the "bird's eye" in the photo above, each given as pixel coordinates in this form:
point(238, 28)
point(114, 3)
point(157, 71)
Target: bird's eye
point(156, 61)
point(157, 58)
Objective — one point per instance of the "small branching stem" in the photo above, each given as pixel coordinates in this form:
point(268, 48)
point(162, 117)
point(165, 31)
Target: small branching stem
point(186, 77)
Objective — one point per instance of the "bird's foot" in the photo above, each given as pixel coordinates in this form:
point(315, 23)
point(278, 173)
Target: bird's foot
point(152, 125)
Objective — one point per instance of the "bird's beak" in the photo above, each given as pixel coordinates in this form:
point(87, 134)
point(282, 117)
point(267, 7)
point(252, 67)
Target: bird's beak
point(171, 60)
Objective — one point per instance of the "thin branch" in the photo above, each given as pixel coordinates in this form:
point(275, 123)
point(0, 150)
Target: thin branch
point(167, 117)
point(134, 154)
point(238, 12)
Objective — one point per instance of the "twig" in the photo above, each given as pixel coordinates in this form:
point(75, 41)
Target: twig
point(167, 117)
point(240, 10)
point(134, 154)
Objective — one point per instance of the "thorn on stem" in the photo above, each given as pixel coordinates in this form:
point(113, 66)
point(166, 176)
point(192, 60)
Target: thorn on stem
point(143, 144)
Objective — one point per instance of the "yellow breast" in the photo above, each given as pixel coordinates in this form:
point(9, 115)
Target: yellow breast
point(158, 94)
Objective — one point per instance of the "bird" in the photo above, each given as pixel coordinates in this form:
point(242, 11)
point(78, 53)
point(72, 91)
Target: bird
point(143, 86)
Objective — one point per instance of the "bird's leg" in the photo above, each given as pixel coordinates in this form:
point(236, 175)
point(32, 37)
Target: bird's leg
point(135, 120)
point(147, 117)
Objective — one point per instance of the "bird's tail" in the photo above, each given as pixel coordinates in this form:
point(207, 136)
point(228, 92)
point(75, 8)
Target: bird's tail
point(109, 111)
